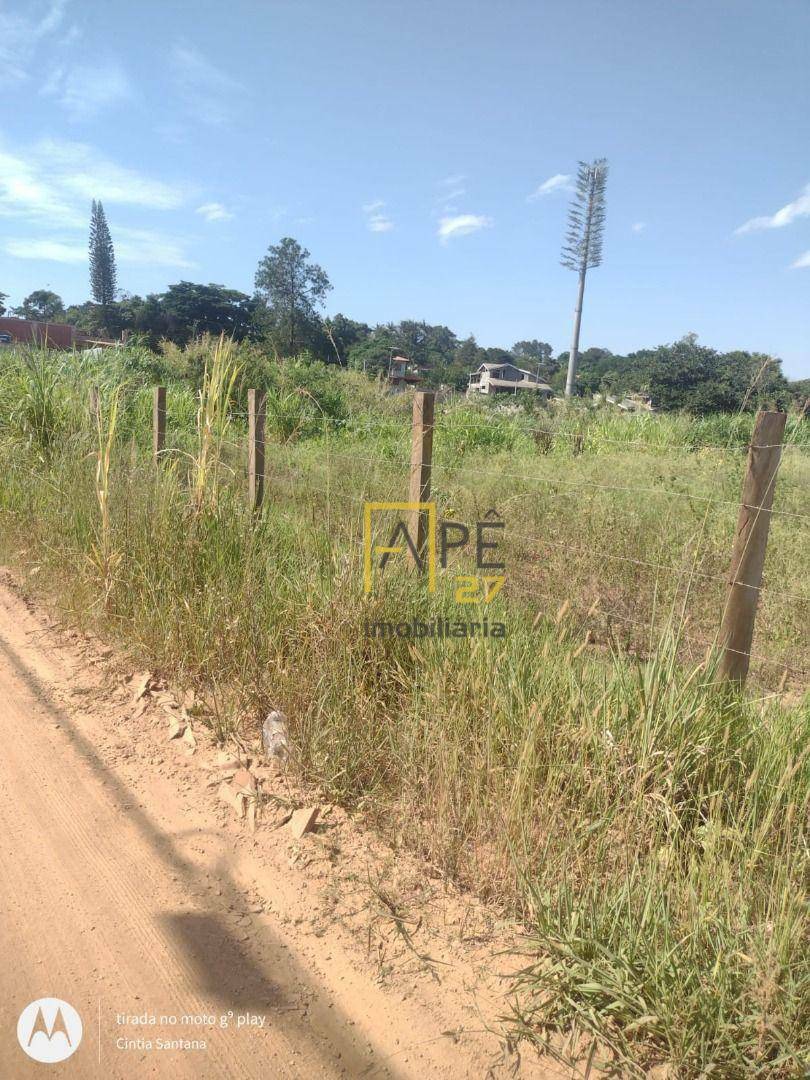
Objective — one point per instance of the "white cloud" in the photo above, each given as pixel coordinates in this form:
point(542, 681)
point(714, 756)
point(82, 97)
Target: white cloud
point(802, 262)
point(53, 181)
point(84, 92)
point(20, 36)
point(47, 189)
point(136, 246)
point(453, 181)
point(638, 226)
point(26, 193)
point(149, 248)
point(450, 189)
point(376, 220)
point(461, 225)
point(379, 223)
point(800, 207)
point(80, 169)
point(47, 250)
point(37, 44)
point(52, 19)
point(558, 182)
point(214, 211)
point(209, 93)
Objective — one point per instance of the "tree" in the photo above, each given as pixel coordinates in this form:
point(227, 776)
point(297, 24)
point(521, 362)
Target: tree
point(343, 333)
point(582, 249)
point(373, 352)
point(131, 313)
point(102, 258)
point(41, 305)
point(431, 347)
point(494, 354)
point(185, 310)
point(292, 288)
point(596, 371)
point(467, 353)
point(687, 375)
point(190, 309)
point(799, 391)
point(434, 350)
point(3, 298)
point(537, 354)
point(467, 356)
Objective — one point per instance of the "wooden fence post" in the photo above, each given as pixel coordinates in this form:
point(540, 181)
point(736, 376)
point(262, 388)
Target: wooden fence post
point(256, 411)
point(750, 541)
point(158, 421)
point(421, 461)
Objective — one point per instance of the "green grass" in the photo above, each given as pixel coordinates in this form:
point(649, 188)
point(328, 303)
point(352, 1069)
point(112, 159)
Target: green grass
point(585, 773)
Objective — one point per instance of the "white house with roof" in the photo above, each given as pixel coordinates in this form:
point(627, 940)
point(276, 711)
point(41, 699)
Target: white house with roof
point(506, 378)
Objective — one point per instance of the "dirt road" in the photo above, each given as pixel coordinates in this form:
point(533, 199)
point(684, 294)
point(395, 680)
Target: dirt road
point(121, 896)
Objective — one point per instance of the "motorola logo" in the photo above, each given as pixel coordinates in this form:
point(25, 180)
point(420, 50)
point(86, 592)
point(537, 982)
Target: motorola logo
point(49, 1030)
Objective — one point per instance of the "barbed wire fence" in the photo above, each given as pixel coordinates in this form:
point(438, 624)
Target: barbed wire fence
point(743, 584)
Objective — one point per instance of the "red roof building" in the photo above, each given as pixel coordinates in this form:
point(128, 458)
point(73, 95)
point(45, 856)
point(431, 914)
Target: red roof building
point(47, 334)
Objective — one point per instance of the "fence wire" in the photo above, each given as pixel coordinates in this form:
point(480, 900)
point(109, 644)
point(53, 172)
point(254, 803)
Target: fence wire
point(285, 468)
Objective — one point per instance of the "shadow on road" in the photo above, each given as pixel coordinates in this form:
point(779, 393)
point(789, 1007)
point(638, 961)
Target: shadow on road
point(222, 963)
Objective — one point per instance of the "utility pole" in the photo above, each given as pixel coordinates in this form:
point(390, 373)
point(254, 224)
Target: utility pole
point(573, 356)
point(582, 249)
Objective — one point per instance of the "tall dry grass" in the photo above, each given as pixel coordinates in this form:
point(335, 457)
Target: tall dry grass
point(212, 421)
point(648, 827)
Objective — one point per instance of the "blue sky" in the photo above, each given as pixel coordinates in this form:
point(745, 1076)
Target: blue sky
point(421, 151)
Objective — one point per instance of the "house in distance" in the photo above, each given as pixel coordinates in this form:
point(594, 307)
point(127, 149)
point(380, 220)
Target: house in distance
point(506, 379)
point(402, 373)
point(51, 335)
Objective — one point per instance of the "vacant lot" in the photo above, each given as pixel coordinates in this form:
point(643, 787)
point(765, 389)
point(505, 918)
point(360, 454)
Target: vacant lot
point(584, 771)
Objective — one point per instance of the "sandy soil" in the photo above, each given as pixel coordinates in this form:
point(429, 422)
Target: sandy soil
point(129, 890)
